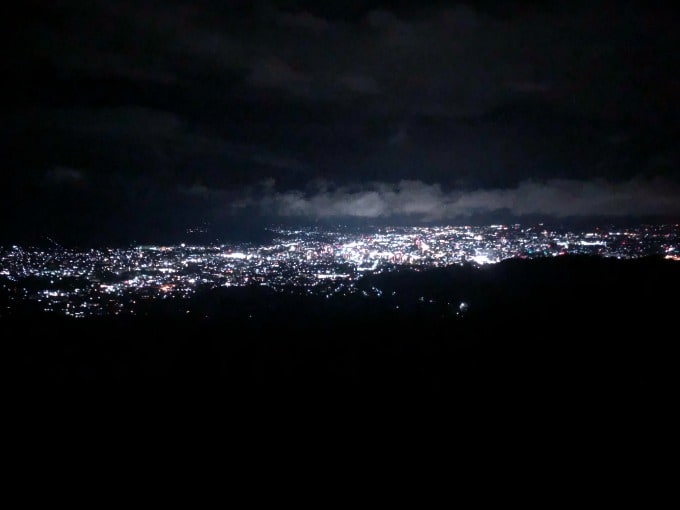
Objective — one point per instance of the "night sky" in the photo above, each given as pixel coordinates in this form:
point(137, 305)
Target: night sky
point(134, 119)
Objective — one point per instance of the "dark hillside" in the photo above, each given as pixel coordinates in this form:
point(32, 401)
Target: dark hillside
point(576, 328)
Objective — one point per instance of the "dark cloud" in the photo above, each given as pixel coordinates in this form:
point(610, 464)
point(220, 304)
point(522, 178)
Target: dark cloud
point(275, 73)
point(360, 83)
point(64, 175)
point(519, 100)
point(304, 20)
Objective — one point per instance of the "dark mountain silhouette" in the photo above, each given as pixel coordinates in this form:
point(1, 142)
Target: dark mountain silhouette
point(568, 327)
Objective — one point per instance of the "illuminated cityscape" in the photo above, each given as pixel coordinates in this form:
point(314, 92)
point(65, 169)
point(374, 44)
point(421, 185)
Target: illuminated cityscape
point(95, 282)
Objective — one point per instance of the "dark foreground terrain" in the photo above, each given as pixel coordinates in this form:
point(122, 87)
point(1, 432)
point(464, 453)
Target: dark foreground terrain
point(560, 372)
point(543, 333)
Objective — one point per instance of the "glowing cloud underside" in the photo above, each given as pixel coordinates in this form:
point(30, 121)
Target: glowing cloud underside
point(559, 197)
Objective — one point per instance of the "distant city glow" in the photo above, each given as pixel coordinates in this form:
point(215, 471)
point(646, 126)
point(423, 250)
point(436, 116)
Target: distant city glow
point(482, 259)
point(82, 283)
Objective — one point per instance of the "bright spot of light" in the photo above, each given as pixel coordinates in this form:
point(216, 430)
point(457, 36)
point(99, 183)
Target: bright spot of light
point(483, 259)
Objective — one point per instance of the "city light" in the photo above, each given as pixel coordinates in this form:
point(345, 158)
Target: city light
point(82, 283)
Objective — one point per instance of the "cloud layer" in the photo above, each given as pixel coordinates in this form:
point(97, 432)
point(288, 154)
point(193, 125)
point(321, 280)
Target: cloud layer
point(171, 113)
point(559, 198)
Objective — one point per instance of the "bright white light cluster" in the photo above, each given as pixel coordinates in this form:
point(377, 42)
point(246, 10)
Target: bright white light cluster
point(323, 262)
